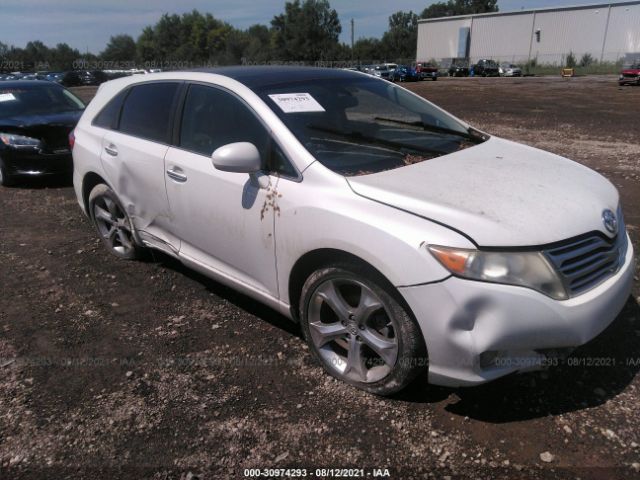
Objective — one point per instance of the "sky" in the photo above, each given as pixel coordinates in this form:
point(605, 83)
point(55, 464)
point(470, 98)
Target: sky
point(88, 24)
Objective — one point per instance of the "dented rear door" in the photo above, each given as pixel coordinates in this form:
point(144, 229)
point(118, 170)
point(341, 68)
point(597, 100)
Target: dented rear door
point(133, 158)
point(135, 168)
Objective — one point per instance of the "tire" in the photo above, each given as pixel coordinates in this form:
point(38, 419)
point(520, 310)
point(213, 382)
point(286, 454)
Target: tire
point(112, 223)
point(6, 180)
point(358, 329)
point(434, 78)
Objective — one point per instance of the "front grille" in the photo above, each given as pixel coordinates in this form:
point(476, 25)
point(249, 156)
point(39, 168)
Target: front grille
point(588, 261)
point(631, 75)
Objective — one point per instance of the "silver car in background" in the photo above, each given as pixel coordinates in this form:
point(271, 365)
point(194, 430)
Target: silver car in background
point(510, 70)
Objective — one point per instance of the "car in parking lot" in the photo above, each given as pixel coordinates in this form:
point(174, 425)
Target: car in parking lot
point(401, 238)
point(630, 75)
point(458, 69)
point(485, 68)
point(404, 73)
point(36, 118)
point(427, 70)
point(509, 70)
point(381, 71)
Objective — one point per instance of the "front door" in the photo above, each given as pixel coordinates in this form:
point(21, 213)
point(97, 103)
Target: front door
point(222, 218)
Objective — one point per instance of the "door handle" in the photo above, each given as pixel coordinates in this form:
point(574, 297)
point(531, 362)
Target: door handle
point(177, 174)
point(111, 150)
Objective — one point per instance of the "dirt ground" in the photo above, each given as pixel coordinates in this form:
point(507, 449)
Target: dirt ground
point(115, 369)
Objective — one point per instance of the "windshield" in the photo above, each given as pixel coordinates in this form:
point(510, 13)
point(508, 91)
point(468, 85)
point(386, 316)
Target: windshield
point(36, 100)
point(358, 126)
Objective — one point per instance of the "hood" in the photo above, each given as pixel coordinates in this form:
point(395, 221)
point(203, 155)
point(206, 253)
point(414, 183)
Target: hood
point(53, 129)
point(498, 193)
point(632, 71)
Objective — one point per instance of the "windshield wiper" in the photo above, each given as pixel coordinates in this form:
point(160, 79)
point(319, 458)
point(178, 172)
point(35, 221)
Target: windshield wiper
point(376, 141)
point(470, 134)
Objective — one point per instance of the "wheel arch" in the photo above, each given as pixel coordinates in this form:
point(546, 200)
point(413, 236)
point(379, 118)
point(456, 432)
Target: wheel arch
point(89, 181)
point(322, 257)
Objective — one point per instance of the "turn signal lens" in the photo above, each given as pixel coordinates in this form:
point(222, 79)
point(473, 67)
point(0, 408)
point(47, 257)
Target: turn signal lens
point(453, 260)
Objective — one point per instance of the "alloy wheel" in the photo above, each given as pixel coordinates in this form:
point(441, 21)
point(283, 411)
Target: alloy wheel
point(113, 224)
point(352, 330)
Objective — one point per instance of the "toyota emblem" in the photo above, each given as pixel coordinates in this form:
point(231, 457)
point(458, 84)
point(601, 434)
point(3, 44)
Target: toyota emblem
point(610, 221)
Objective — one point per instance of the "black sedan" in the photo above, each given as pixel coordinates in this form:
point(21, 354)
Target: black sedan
point(36, 119)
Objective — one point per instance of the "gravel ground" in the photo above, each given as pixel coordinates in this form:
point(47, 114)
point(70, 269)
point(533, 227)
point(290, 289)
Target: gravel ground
point(114, 369)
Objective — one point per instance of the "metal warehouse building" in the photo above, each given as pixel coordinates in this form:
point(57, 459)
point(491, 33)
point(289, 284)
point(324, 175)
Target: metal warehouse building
point(608, 32)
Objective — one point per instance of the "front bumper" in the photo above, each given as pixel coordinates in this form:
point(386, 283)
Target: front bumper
point(464, 322)
point(629, 80)
point(36, 163)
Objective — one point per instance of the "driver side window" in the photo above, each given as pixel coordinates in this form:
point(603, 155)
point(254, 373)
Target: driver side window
point(213, 117)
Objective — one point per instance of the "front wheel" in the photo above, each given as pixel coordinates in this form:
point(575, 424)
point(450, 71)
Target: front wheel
point(112, 223)
point(359, 330)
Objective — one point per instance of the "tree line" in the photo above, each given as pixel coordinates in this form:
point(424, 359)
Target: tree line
point(306, 31)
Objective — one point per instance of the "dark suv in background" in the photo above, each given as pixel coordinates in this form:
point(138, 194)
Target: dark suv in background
point(486, 68)
point(459, 68)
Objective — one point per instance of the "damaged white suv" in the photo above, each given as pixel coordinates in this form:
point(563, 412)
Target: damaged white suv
point(402, 239)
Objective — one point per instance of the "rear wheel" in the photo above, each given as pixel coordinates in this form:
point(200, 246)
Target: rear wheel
point(359, 331)
point(112, 223)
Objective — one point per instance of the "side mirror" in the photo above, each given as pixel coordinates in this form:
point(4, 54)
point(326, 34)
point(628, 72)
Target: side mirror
point(240, 157)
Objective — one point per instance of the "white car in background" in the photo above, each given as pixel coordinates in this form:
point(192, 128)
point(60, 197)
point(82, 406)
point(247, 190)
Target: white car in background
point(402, 239)
point(510, 70)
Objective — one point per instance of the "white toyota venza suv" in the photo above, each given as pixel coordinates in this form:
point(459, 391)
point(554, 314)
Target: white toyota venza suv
point(402, 239)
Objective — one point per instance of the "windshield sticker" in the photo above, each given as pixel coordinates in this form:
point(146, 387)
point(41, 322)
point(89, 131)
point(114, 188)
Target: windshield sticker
point(296, 102)
point(6, 97)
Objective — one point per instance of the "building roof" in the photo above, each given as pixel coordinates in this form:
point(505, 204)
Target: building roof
point(531, 10)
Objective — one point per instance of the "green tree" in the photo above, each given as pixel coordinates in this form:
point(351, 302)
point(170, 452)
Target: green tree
point(459, 7)
point(36, 54)
point(306, 31)
point(192, 38)
point(257, 48)
point(63, 57)
point(367, 50)
point(145, 45)
point(400, 40)
point(121, 48)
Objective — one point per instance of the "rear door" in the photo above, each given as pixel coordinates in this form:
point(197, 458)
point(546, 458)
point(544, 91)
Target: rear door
point(133, 158)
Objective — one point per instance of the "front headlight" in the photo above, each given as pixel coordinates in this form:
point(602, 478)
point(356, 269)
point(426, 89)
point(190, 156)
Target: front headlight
point(13, 140)
point(525, 269)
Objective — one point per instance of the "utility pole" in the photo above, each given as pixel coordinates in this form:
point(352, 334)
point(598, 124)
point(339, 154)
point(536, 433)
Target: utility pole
point(352, 33)
point(352, 37)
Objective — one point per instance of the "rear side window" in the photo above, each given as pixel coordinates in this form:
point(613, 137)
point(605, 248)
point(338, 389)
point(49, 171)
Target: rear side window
point(147, 111)
point(108, 116)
